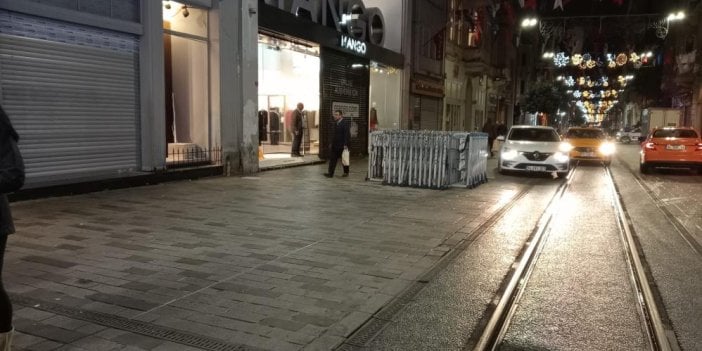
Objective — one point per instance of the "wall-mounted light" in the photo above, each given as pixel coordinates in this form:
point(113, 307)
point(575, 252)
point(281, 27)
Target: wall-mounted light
point(529, 22)
point(676, 16)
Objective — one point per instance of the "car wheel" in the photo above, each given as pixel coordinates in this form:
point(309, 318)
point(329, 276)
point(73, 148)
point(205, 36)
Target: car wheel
point(562, 174)
point(644, 168)
point(607, 163)
point(626, 139)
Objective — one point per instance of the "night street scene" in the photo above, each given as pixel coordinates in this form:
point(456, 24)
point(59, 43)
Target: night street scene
point(265, 175)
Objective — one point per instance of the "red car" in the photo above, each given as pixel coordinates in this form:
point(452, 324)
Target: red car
point(671, 147)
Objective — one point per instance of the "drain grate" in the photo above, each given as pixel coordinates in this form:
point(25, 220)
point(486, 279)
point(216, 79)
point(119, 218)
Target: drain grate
point(134, 326)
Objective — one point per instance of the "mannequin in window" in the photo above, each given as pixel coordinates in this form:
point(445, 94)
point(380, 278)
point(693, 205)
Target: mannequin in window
point(274, 123)
point(262, 126)
point(373, 124)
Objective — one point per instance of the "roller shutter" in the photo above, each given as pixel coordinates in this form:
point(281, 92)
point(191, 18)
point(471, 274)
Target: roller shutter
point(72, 93)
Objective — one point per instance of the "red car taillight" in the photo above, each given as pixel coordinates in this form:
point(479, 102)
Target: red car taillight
point(650, 146)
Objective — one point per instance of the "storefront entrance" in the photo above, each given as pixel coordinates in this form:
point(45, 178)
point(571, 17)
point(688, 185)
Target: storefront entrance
point(288, 74)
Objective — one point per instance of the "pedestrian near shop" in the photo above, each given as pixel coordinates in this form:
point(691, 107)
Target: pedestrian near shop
point(11, 179)
point(341, 137)
point(297, 129)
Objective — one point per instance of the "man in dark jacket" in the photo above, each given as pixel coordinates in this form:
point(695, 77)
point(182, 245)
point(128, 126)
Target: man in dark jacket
point(341, 137)
point(11, 179)
point(297, 130)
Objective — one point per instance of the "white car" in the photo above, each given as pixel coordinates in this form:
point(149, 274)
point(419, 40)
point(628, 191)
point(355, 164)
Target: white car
point(534, 149)
point(627, 136)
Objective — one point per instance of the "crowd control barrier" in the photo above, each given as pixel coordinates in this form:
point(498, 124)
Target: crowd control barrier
point(428, 159)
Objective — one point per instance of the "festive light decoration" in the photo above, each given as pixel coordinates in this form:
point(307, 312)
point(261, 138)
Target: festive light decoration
point(560, 60)
point(569, 81)
point(576, 59)
point(587, 57)
point(591, 64)
point(577, 94)
point(621, 59)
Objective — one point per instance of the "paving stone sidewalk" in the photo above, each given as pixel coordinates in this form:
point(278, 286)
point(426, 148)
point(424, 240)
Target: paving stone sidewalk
point(284, 260)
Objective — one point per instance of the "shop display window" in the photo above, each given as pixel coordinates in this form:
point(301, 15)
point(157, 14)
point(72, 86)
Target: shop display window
point(385, 98)
point(186, 62)
point(288, 73)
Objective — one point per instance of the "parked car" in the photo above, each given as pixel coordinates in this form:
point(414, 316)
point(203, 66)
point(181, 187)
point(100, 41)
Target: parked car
point(534, 149)
point(626, 136)
point(590, 144)
point(671, 147)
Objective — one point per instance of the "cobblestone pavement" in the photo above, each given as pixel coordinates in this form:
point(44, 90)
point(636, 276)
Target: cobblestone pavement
point(284, 260)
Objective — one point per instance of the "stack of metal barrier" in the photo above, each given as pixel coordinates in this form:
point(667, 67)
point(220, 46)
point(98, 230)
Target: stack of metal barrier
point(428, 159)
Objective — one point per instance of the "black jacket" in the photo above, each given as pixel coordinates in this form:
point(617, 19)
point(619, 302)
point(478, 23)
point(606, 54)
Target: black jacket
point(297, 121)
point(341, 135)
point(11, 171)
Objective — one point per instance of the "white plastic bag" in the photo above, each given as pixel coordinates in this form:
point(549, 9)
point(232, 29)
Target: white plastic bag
point(345, 157)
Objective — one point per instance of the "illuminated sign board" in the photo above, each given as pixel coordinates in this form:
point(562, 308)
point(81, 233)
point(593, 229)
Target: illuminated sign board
point(354, 45)
point(350, 17)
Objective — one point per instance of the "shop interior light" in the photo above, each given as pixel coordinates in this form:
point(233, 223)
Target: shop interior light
point(172, 8)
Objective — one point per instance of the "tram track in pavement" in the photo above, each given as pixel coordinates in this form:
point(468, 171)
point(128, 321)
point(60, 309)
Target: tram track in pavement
point(360, 338)
point(496, 321)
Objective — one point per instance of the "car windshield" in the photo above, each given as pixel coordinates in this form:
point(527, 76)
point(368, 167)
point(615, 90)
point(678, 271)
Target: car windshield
point(533, 134)
point(674, 133)
point(585, 134)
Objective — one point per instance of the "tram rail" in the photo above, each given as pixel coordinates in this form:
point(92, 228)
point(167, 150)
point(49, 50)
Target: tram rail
point(660, 338)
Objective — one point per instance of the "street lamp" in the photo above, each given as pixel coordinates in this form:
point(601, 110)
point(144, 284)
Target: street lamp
point(529, 22)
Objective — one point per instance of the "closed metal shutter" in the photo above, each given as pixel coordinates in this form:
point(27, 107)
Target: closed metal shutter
point(72, 93)
point(345, 79)
point(430, 112)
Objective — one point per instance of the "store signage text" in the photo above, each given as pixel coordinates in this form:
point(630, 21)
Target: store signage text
point(354, 45)
point(345, 88)
point(350, 17)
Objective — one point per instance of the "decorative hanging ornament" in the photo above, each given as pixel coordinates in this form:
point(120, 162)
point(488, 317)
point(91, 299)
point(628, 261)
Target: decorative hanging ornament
point(591, 64)
point(560, 60)
point(612, 64)
point(577, 94)
point(583, 65)
point(570, 81)
point(582, 81)
point(587, 57)
point(634, 57)
point(621, 59)
point(576, 59)
point(557, 4)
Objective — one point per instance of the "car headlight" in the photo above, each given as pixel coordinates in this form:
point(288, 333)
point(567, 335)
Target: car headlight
point(607, 149)
point(509, 154)
point(565, 147)
point(561, 157)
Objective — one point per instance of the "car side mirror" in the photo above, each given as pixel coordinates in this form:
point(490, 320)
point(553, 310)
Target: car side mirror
point(642, 139)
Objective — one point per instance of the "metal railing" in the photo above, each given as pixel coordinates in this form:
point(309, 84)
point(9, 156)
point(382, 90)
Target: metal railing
point(428, 159)
point(194, 156)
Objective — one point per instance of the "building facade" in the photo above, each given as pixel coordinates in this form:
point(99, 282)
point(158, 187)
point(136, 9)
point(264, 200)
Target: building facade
point(105, 89)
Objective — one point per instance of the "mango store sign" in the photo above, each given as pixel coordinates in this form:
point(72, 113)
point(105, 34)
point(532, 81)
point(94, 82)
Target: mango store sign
point(354, 45)
point(349, 17)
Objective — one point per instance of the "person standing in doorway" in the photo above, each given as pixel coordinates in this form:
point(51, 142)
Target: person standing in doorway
point(297, 130)
point(11, 179)
point(341, 137)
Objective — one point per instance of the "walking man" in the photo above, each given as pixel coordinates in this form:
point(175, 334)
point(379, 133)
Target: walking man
point(297, 130)
point(341, 137)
